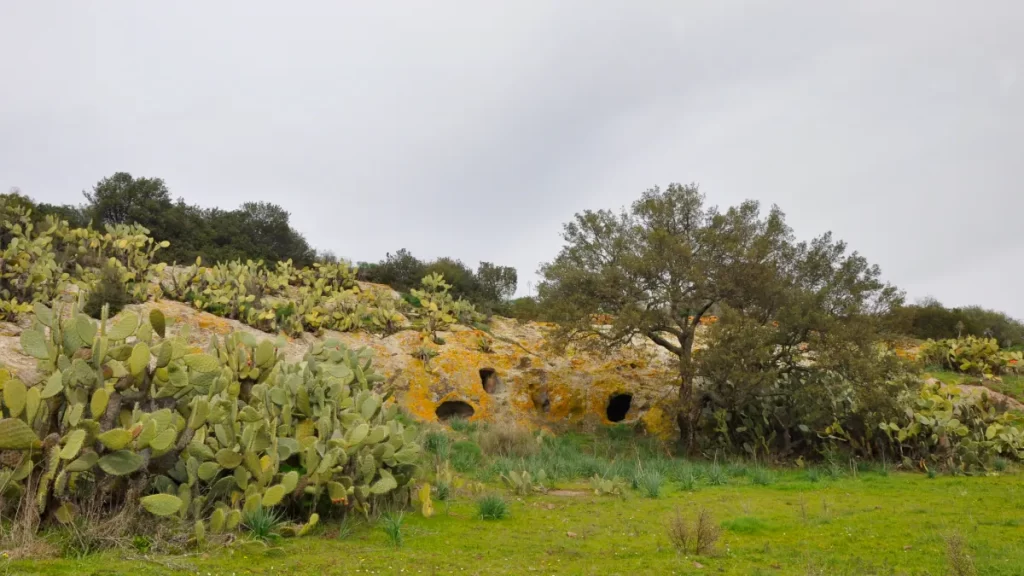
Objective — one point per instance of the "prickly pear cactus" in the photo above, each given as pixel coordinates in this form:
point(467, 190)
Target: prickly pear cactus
point(206, 435)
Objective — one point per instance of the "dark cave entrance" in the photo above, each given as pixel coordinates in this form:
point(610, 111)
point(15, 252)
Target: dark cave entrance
point(490, 381)
point(453, 409)
point(618, 407)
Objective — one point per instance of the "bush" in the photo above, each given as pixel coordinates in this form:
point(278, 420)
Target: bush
point(679, 532)
point(754, 404)
point(466, 456)
point(703, 533)
point(706, 533)
point(492, 507)
point(958, 556)
point(109, 291)
point(933, 321)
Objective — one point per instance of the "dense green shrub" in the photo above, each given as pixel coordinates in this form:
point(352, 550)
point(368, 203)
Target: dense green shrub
point(109, 292)
point(778, 389)
point(931, 320)
point(489, 288)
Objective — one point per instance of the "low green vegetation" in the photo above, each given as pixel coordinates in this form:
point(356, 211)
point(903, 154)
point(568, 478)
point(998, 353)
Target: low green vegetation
point(853, 524)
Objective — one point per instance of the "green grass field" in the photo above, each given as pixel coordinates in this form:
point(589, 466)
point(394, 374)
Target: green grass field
point(871, 523)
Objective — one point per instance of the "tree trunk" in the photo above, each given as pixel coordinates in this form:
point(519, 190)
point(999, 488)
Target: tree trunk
point(689, 409)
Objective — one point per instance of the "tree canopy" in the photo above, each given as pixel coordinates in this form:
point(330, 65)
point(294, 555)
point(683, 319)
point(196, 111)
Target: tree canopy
point(656, 269)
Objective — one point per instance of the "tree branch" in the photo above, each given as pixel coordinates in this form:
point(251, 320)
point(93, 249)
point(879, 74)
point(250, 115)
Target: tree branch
point(661, 341)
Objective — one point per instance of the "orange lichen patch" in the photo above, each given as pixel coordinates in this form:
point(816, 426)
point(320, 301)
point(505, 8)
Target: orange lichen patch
point(214, 323)
point(538, 387)
point(659, 423)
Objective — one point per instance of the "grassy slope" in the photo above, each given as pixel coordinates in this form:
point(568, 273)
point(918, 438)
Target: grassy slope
point(1011, 385)
point(871, 524)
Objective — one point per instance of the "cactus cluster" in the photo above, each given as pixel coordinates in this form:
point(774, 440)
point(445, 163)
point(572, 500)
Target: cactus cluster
point(325, 297)
point(523, 483)
point(39, 260)
point(205, 435)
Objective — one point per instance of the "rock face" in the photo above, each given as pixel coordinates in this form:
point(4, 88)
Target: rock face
point(517, 380)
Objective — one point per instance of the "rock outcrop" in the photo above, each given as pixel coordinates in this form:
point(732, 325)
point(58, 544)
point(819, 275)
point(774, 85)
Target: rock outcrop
point(519, 379)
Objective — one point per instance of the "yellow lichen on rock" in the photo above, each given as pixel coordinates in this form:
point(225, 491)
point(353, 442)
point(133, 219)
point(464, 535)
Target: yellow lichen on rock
point(515, 378)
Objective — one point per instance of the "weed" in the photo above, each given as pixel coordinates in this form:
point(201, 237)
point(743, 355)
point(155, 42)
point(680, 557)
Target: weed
point(142, 544)
point(737, 469)
point(679, 532)
point(762, 476)
point(438, 443)
point(813, 475)
point(883, 469)
point(834, 471)
point(932, 473)
point(392, 526)
point(492, 507)
point(1000, 464)
point(76, 541)
point(347, 527)
point(620, 432)
point(425, 354)
point(263, 523)
point(745, 525)
point(460, 424)
point(707, 532)
point(958, 556)
point(466, 456)
point(649, 482)
point(485, 345)
point(508, 440)
point(444, 491)
point(716, 475)
point(687, 478)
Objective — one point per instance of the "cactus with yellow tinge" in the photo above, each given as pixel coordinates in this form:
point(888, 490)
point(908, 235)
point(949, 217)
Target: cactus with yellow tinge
point(207, 435)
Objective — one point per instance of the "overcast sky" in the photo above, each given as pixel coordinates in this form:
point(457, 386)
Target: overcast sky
point(474, 129)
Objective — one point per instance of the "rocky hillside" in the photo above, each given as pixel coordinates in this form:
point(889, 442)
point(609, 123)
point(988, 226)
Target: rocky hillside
point(517, 379)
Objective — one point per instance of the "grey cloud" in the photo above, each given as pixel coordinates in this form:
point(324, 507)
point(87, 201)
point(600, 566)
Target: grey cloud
point(474, 129)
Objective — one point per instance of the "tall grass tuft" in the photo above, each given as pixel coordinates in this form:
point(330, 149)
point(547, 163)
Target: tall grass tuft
point(439, 444)
point(716, 476)
point(649, 482)
point(263, 523)
point(391, 524)
point(466, 456)
point(508, 440)
point(492, 507)
point(762, 476)
point(460, 424)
